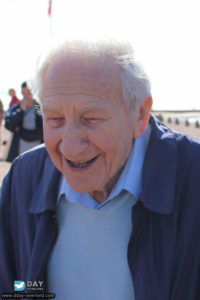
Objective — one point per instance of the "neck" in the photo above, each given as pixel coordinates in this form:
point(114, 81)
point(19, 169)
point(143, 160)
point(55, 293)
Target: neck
point(99, 196)
point(30, 102)
point(102, 195)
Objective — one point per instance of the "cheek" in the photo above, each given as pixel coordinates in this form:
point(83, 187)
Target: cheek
point(51, 138)
point(114, 142)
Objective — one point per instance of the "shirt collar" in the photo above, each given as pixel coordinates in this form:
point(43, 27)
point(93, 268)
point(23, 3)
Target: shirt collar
point(129, 180)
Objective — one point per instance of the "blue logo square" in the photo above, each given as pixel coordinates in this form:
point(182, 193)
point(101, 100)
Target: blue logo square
point(19, 285)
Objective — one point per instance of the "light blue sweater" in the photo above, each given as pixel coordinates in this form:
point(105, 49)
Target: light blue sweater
point(89, 260)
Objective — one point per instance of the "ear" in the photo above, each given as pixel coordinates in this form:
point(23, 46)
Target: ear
point(142, 118)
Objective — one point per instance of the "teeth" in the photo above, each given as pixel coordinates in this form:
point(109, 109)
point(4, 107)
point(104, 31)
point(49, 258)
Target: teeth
point(81, 164)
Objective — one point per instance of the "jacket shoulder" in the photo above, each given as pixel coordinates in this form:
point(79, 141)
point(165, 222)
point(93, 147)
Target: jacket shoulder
point(28, 167)
point(188, 148)
point(32, 159)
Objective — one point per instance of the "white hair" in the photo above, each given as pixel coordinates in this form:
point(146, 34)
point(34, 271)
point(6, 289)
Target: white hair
point(135, 83)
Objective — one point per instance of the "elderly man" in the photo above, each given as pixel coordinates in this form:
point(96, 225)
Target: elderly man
point(109, 208)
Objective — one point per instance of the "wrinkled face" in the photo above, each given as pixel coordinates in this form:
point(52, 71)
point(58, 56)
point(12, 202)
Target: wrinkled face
point(88, 130)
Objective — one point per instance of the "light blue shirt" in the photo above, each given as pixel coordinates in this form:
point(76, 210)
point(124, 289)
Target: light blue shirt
point(129, 180)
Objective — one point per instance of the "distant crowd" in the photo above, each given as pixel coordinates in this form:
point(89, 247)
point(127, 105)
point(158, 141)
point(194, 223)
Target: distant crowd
point(24, 121)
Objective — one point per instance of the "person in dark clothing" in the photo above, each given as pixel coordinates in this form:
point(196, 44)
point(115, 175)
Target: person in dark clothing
point(1, 117)
point(1, 112)
point(25, 121)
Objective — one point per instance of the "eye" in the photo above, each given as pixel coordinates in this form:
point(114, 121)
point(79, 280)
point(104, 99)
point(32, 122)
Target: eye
point(92, 121)
point(54, 121)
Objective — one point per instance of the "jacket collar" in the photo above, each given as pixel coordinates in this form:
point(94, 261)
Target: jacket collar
point(45, 194)
point(159, 169)
point(159, 175)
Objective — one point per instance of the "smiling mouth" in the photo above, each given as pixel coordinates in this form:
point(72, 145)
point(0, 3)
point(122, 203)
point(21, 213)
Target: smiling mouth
point(81, 164)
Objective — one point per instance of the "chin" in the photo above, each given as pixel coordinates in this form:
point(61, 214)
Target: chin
point(78, 187)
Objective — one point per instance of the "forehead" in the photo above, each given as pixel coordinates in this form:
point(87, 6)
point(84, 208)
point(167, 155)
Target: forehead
point(68, 77)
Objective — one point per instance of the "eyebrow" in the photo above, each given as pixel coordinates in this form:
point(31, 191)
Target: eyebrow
point(85, 109)
point(93, 108)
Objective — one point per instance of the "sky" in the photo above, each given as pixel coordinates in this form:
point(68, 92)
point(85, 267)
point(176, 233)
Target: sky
point(164, 34)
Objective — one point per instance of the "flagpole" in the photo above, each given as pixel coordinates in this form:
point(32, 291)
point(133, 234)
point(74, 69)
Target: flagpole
point(50, 17)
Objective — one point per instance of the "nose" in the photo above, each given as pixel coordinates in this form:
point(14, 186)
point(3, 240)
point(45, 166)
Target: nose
point(74, 141)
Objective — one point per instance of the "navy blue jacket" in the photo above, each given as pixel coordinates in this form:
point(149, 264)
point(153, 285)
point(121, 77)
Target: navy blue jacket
point(164, 249)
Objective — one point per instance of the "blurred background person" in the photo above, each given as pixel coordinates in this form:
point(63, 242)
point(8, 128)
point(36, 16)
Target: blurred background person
point(1, 112)
point(1, 117)
point(14, 100)
point(25, 121)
